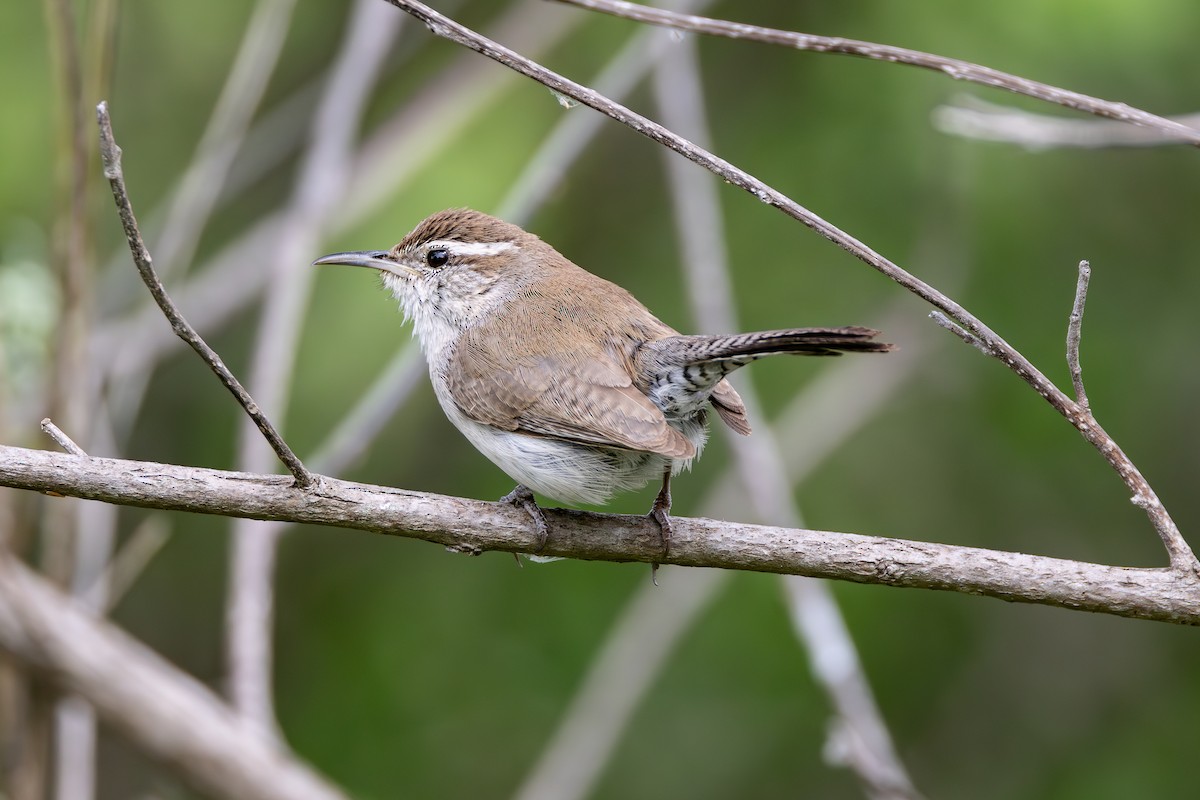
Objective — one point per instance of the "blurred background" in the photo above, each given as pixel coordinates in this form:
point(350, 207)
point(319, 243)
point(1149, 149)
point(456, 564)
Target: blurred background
point(403, 670)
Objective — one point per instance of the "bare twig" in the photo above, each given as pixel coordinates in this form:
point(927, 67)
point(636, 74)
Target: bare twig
point(204, 179)
point(618, 678)
point(75, 731)
point(570, 136)
point(477, 526)
point(353, 435)
point(978, 119)
point(70, 397)
point(1180, 554)
point(390, 156)
point(324, 173)
point(951, 67)
point(961, 332)
point(130, 561)
point(68, 402)
point(61, 439)
point(859, 738)
point(1079, 414)
point(164, 711)
point(1073, 335)
point(75, 719)
point(443, 107)
point(110, 155)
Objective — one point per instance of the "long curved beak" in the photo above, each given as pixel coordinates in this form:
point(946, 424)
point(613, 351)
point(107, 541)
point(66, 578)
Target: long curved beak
point(373, 259)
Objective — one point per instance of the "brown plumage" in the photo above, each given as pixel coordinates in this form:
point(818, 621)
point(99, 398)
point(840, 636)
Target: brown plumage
point(562, 378)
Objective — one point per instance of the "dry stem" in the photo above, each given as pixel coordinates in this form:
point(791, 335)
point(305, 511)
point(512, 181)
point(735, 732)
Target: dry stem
point(110, 155)
point(951, 67)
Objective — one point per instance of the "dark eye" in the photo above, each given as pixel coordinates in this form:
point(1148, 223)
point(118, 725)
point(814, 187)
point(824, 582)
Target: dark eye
point(437, 258)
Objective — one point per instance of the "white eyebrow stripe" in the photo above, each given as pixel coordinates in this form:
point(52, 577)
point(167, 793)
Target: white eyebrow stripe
point(470, 248)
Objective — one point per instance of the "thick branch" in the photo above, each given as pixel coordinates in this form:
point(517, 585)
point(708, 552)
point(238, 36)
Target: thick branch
point(952, 67)
point(472, 526)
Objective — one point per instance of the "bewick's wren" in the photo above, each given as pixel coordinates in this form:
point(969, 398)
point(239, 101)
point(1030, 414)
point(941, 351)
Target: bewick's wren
point(564, 380)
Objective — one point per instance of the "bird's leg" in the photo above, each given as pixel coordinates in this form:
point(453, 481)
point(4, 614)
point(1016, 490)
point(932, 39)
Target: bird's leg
point(522, 497)
point(660, 512)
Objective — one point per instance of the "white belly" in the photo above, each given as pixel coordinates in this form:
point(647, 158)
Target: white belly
point(564, 471)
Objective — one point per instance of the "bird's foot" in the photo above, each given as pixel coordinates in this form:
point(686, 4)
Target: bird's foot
point(522, 497)
point(660, 512)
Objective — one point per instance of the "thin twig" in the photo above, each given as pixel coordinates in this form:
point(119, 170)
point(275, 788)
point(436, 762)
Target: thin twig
point(546, 169)
point(858, 735)
point(202, 183)
point(974, 118)
point(1180, 554)
point(128, 563)
point(324, 174)
point(274, 139)
point(476, 526)
point(951, 67)
point(70, 396)
point(394, 152)
point(61, 439)
point(68, 399)
point(110, 155)
point(95, 528)
point(358, 428)
point(968, 337)
point(433, 117)
point(619, 677)
point(1182, 558)
point(1074, 333)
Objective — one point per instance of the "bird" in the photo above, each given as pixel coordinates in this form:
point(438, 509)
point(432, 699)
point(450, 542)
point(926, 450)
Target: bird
point(563, 379)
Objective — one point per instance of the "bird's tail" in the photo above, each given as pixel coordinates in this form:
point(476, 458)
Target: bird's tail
point(742, 348)
point(687, 371)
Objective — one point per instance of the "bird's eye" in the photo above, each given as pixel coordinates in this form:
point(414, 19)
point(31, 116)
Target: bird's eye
point(437, 258)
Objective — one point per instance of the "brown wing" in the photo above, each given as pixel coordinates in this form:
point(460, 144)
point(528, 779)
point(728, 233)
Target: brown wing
point(577, 395)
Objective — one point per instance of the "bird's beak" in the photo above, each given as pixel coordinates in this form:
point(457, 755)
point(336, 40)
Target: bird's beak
point(373, 259)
